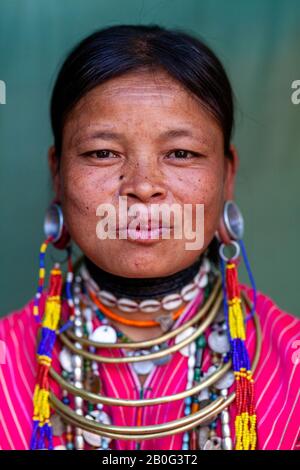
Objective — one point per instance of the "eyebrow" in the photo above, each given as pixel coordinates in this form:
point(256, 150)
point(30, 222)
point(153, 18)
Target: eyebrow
point(169, 134)
point(173, 133)
point(106, 135)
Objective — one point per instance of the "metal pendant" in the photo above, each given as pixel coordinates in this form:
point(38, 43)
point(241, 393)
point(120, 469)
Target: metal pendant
point(102, 417)
point(226, 381)
point(104, 334)
point(214, 443)
point(92, 439)
point(166, 322)
point(143, 367)
point(218, 342)
point(162, 360)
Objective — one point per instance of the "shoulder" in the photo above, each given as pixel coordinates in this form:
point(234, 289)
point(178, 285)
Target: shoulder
point(269, 311)
point(18, 326)
point(15, 316)
point(277, 377)
point(18, 367)
point(280, 329)
point(18, 332)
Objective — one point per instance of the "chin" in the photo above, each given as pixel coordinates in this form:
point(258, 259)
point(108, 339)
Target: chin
point(137, 266)
point(127, 259)
point(141, 268)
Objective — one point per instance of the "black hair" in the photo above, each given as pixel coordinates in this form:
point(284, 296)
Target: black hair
point(116, 50)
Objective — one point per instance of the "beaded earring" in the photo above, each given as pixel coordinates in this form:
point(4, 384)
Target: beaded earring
point(245, 421)
point(56, 233)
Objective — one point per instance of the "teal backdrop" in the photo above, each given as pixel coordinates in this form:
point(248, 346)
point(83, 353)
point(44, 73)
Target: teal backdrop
point(259, 44)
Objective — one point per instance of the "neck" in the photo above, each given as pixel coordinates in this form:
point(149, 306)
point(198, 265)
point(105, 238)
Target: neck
point(142, 288)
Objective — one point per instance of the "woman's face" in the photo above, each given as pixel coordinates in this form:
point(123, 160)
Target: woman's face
point(144, 137)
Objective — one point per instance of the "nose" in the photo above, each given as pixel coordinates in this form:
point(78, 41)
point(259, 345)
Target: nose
point(143, 185)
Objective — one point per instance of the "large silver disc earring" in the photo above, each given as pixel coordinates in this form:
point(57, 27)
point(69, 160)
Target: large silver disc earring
point(54, 226)
point(233, 220)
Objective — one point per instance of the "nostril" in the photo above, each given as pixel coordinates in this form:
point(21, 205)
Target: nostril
point(134, 196)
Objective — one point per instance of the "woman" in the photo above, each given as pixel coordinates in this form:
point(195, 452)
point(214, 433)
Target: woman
point(144, 115)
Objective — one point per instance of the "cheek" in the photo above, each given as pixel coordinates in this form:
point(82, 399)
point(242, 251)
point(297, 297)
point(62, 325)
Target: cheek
point(206, 189)
point(83, 189)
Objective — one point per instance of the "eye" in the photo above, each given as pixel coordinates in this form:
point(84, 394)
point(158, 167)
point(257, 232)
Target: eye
point(180, 154)
point(102, 154)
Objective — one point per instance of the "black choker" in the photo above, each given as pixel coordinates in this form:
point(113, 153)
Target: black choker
point(142, 288)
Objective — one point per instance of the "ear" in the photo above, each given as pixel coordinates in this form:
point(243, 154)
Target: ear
point(53, 163)
point(231, 167)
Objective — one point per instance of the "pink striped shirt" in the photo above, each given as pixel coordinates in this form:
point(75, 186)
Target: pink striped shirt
point(277, 380)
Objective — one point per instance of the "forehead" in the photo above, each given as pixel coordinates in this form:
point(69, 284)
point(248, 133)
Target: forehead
point(142, 86)
point(152, 88)
point(150, 97)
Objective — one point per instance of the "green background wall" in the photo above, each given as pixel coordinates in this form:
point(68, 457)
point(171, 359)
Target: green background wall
point(259, 44)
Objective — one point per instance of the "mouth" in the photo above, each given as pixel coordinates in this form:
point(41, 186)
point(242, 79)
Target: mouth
point(145, 233)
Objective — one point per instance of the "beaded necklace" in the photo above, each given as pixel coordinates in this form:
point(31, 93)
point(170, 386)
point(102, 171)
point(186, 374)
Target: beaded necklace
point(202, 437)
point(80, 365)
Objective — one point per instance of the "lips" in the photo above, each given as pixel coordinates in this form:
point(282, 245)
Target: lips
point(145, 236)
point(144, 233)
point(147, 226)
